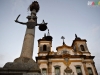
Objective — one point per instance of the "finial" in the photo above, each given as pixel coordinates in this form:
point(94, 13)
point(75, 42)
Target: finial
point(43, 22)
point(63, 39)
point(75, 36)
point(48, 33)
point(44, 34)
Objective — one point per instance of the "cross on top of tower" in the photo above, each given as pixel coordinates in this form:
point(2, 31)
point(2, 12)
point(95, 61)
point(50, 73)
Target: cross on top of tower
point(63, 39)
point(75, 36)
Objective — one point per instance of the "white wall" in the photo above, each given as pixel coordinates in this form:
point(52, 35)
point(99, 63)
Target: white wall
point(62, 67)
point(73, 64)
point(90, 65)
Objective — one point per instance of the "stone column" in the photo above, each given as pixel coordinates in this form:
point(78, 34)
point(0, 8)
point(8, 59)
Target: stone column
point(85, 69)
point(49, 68)
point(25, 64)
point(27, 49)
point(28, 43)
point(95, 70)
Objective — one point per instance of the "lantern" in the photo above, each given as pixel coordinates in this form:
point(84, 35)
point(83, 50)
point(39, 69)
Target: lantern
point(42, 27)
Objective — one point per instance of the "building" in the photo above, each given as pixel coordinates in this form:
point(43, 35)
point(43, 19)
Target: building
point(67, 60)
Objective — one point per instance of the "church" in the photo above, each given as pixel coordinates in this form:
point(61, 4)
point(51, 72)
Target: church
point(67, 60)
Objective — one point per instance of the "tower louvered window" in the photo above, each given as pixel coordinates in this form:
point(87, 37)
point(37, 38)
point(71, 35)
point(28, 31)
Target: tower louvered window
point(44, 48)
point(82, 47)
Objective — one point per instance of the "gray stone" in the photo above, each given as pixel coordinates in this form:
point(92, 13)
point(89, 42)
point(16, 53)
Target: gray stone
point(22, 64)
point(31, 73)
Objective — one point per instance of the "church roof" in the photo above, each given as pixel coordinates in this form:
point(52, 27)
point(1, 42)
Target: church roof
point(46, 38)
point(78, 39)
point(64, 45)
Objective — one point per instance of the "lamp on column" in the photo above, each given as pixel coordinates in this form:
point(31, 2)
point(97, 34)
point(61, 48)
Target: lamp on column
point(43, 26)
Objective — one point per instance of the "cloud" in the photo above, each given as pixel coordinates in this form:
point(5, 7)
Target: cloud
point(93, 30)
point(19, 5)
point(1, 57)
point(94, 35)
point(96, 29)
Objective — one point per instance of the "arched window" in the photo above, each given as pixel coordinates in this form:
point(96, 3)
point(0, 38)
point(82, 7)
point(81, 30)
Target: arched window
point(44, 47)
point(82, 47)
point(90, 72)
point(78, 70)
point(57, 70)
point(44, 71)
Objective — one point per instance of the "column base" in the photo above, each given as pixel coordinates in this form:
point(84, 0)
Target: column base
point(21, 65)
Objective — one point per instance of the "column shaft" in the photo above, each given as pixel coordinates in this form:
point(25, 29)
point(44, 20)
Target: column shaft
point(85, 69)
point(27, 49)
point(49, 68)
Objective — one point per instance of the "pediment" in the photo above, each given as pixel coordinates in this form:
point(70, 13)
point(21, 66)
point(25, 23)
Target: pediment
point(63, 46)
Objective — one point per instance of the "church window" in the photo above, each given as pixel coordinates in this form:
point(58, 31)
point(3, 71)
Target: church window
point(78, 70)
point(44, 47)
point(82, 47)
point(44, 71)
point(90, 71)
point(57, 70)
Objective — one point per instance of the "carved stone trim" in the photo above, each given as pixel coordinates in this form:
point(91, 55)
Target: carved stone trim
point(68, 70)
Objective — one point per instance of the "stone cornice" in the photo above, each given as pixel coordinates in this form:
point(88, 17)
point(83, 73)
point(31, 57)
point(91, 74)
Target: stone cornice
point(63, 56)
point(66, 46)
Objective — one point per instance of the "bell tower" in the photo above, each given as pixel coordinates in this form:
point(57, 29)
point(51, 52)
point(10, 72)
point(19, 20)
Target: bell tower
point(45, 45)
point(80, 46)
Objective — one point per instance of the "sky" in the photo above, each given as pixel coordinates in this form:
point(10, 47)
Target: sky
point(64, 17)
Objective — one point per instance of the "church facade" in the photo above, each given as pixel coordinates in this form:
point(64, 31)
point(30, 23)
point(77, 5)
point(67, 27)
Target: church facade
point(67, 60)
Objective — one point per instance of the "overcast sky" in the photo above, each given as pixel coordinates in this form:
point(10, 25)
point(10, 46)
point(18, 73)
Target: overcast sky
point(64, 17)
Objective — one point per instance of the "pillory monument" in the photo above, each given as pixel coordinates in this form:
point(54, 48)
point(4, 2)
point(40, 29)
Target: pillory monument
point(25, 65)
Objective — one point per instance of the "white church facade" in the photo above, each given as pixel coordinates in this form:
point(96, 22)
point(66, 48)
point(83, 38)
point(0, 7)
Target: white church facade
point(67, 60)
